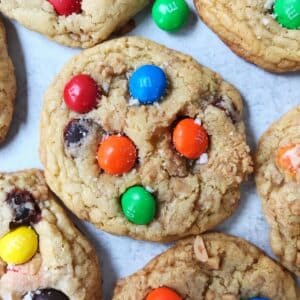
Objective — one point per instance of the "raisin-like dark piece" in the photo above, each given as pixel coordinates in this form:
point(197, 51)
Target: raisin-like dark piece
point(75, 131)
point(228, 107)
point(46, 294)
point(25, 209)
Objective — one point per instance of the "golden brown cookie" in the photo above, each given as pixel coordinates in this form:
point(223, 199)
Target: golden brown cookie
point(7, 86)
point(42, 254)
point(213, 266)
point(76, 23)
point(250, 30)
point(278, 184)
point(191, 195)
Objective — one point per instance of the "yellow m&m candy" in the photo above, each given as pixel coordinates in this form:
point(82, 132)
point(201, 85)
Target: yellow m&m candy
point(19, 245)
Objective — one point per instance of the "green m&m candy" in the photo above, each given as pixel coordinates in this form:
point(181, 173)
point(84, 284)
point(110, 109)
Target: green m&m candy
point(287, 13)
point(170, 15)
point(138, 205)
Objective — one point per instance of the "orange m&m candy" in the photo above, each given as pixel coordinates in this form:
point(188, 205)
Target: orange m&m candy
point(288, 158)
point(163, 293)
point(190, 138)
point(117, 155)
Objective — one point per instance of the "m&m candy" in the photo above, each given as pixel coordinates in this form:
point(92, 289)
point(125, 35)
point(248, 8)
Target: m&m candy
point(19, 245)
point(46, 294)
point(170, 15)
point(163, 293)
point(288, 158)
point(138, 205)
point(80, 93)
point(117, 155)
point(258, 298)
point(287, 13)
point(66, 7)
point(190, 138)
point(148, 84)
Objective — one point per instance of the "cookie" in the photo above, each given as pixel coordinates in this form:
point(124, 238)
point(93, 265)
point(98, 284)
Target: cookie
point(213, 266)
point(78, 23)
point(278, 183)
point(7, 86)
point(143, 141)
point(253, 30)
point(42, 254)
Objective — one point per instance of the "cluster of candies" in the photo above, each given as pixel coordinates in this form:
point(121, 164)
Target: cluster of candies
point(117, 154)
point(287, 13)
point(165, 293)
point(169, 15)
point(288, 159)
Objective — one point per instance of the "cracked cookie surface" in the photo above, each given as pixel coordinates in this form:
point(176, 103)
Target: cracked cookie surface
point(64, 261)
point(95, 23)
point(191, 197)
point(251, 31)
point(7, 86)
point(280, 189)
point(212, 266)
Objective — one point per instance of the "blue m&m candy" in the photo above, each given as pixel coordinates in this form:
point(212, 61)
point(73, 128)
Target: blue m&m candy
point(148, 84)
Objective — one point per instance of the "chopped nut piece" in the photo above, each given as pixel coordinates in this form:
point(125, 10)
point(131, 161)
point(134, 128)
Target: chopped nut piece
point(295, 208)
point(229, 297)
point(298, 259)
point(200, 250)
point(210, 295)
point(214, 262)
point(2, 268)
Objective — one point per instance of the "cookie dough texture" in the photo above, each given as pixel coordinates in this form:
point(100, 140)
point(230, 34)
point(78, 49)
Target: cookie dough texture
point(7, 86)
point(280, 193)
point(191, 198)
point(211, 267)
point(65, 259)
point(98, 20)
point(251, 31)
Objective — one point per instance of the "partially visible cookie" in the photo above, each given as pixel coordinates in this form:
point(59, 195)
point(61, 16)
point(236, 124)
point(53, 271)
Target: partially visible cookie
point(75, 23)
point(250, 29)
point(7, 86)
point(131, 165)
point(278, 184)
point(213, 266)
point(42, 254)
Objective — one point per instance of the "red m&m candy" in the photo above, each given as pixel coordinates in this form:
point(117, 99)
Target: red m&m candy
point(117, 155)
point(80, 93)
point(163, 293)
point(66, 7)
point(190, 138)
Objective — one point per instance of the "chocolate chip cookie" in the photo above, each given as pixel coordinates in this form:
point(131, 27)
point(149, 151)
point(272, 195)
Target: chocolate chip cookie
point(75, 23)
point(42, 254)
point(143, 141)
point(278, 184)
point(264, 32)
point(213, 266)
point(7, 86)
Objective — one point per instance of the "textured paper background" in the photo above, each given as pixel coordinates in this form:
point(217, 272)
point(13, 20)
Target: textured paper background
point(267, 97)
